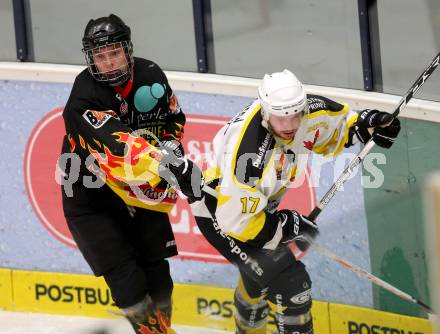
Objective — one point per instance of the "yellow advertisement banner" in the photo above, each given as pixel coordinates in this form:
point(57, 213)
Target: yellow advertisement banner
point(62, 294)
point(345, 319)
point(203, 306)
point(207, 306)
point(5, 289)
point(194, 305)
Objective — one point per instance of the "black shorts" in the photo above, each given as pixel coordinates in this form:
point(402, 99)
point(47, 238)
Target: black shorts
point(107, 234)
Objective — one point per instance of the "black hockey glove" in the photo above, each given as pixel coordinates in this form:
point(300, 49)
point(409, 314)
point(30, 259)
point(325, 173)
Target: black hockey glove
point(182, 174)
point(171, 145)
point(383, 135)
point(297, 228)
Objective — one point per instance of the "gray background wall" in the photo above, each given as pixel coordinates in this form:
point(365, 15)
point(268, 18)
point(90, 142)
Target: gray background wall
point(317, 39)
point(161, 31)
point(7, 32)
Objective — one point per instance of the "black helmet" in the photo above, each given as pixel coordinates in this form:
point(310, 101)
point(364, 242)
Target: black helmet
point(105, 30)
point(103, 34)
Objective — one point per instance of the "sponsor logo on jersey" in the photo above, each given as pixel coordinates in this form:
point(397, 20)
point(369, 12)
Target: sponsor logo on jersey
point(296, 223)
point(302, 297)
point(235, 249)
point(123, 109)
point(170, 243)
point(237, 118)
point(262, 151)
point(316, 104)
point(280, 309)
point(98, 118)
point(151, 119)
point(145, 192)
point(147, 97)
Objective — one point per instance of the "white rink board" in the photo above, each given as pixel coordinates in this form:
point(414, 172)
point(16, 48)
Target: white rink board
point(231, 85)
point(18, 323)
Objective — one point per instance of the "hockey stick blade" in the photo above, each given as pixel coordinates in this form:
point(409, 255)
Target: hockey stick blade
point(370, 277)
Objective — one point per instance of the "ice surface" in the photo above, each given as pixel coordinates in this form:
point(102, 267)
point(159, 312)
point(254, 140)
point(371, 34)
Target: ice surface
point(18, 323)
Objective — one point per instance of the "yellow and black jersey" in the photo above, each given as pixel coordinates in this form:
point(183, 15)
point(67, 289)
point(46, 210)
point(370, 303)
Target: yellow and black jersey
point(110, 129)
point(254, 168)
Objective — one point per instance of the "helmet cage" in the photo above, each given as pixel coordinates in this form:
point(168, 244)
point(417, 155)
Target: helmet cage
point(123, 73)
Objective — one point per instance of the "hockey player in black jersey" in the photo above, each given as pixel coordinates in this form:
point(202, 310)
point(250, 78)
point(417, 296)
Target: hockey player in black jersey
point(259, 154)
point(119, 107)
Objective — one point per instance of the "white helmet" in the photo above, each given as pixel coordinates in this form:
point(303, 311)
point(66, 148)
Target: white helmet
point(281, 94)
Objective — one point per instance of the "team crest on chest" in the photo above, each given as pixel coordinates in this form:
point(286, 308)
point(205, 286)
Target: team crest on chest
point(123, 107)
point(310, 144)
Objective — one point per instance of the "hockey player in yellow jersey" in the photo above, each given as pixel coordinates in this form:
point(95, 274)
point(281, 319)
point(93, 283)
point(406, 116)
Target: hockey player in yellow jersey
point(259, 155)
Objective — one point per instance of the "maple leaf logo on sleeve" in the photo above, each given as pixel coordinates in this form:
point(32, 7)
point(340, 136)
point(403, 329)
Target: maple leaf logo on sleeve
point(309, 144)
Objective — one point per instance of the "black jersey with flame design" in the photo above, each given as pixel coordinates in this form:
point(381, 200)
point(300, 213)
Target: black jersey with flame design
point(110, 127)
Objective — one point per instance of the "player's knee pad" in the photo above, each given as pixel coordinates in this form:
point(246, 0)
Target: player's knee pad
point(127, 283)
point(251, 312)
point(145, 317)
point(290, 300)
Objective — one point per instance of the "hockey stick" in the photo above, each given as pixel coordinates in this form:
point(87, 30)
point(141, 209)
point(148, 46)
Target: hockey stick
point(359, 271)
point(348, 171)
point(365, 274)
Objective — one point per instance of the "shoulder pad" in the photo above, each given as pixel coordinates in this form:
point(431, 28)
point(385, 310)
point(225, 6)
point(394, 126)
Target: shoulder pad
point(317, 103)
